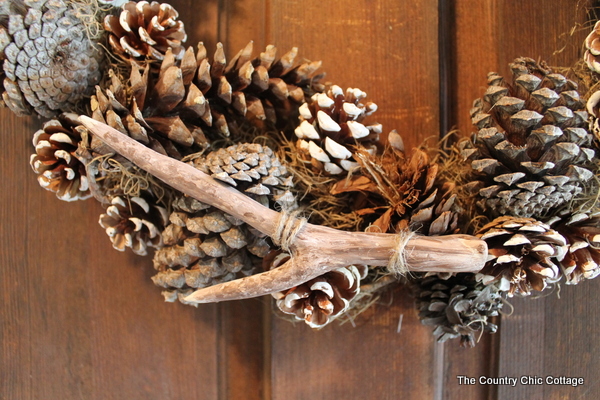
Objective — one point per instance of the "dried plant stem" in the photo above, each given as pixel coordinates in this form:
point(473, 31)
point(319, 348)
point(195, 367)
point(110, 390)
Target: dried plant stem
point(316, 249)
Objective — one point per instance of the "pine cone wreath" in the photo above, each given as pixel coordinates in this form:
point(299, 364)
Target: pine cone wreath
point(55, 161)
point(402, 193)
point(532, 152)
point(50, 63)
point(592, 49)
point(522, 254)
point(203, 245)
point(582, 232)
point(134, 222)
point(458, 307)
point(331, 126)
point(322, 299)
point(144, 30)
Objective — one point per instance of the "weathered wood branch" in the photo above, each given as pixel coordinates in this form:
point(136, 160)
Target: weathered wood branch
point(315, 250)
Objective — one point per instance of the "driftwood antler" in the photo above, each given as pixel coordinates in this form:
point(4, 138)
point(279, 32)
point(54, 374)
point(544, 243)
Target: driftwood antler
point(315, 249)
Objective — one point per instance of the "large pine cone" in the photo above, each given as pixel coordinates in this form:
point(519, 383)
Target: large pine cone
point(180, 107)
point(458, 307)
point(145, 30)
point(522, 254)
point(203, 245)
point(322, 299)
point(582, 231)
point(50, 64)
point(530, 155)
point(402, 193)
point(134, 222)
point(331, 127)
point(55, 160)
point(171, 133)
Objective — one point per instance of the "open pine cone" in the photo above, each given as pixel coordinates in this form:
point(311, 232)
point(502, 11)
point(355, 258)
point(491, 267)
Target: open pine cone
point(145, 30)
point(322, 299)
point(134, 222)
point(592, 49)
point(55, 160)
point(532, 152)
point(402, 193)
point(331, 127)
point(458, 307)
point(49, 62)
point(182, 106)
point(582, 232)
point(522, 253)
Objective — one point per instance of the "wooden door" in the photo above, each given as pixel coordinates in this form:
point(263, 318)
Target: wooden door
point(79, 320)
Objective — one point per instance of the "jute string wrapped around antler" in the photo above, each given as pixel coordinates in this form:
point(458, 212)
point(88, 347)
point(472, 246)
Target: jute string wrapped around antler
point(288, 227)
point(315, 249)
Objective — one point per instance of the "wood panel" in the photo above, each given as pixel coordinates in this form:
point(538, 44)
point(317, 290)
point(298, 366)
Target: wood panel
point(543, 336)
point(390, 51)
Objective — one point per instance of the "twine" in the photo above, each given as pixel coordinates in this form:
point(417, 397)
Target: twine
point(288, 227)
point(398, 264)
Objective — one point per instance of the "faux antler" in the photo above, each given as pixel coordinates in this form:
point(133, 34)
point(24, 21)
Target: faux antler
point(315, 249)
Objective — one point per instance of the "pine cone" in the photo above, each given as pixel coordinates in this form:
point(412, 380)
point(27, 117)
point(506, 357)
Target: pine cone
point(168, 133)
point(331, 126)
point(58, 168)
point(322, 299)
point(203, 245)
point(180, 107)
point(145, 31)
point(134, 222)
point(593, 109)
point(50, 64)
point(592, 46)
point(402, 193)
point(458, 306)
point(582, 232)
point(522, 254)
point(531, 153)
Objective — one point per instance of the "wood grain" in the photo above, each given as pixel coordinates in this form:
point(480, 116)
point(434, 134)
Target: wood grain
point(390, 51)
point(79, 320)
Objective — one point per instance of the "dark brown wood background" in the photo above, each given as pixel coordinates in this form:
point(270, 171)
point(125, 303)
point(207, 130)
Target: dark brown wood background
point(79, 320)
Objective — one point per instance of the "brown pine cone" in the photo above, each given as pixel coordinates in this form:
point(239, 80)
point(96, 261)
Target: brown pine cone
point(532, 152)
point(330, 128)
point(522, 254)
point(50, 65)
point(582, 260)
point(145, 30)
point(458, 306)
point(134, 222)
point(55, 161)
point(204, 246)
point(402, 193)
point(592, 49)
point(322, 299)
point(168, 133)
point(182, 106)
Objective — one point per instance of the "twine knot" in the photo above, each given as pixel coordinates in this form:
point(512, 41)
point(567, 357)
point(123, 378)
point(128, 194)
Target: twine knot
point(398, 265)
point(288, 227)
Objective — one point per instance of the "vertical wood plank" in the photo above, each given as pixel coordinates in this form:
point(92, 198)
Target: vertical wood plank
point(370, 41)
point(370, 360)
point(388, 50)
point(542, 336)
point(79, 319)
point(383, 47)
